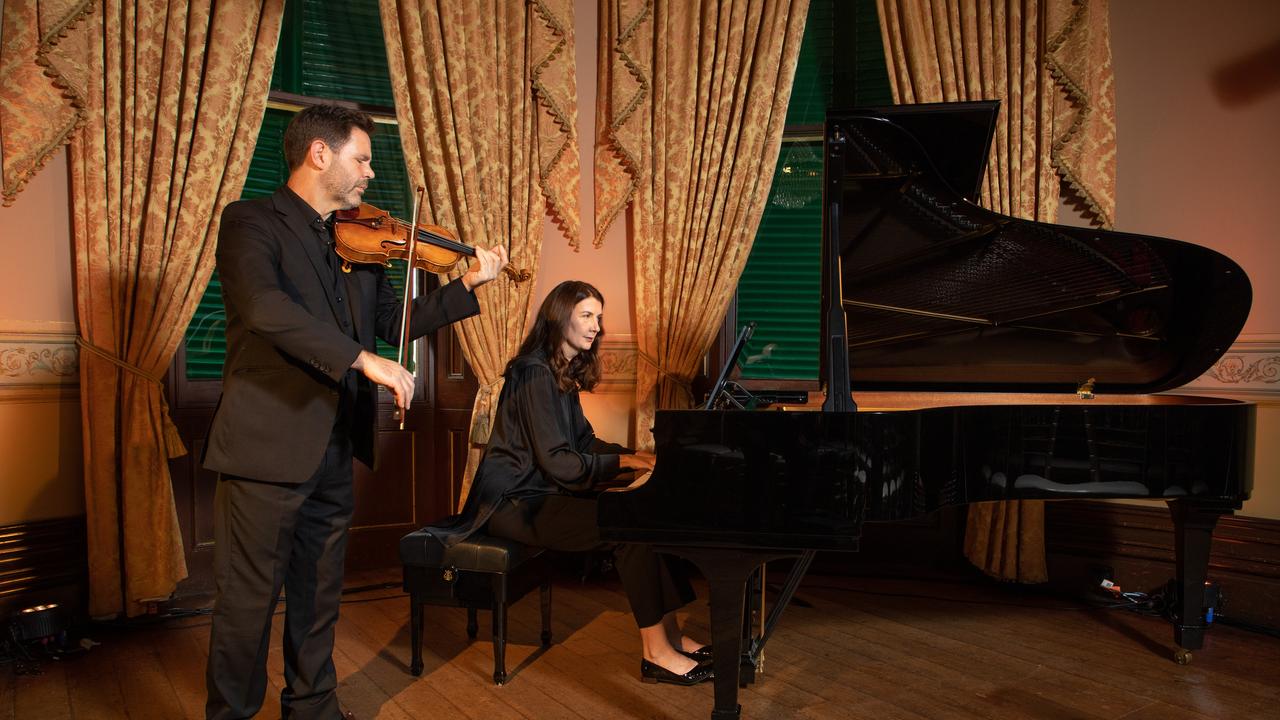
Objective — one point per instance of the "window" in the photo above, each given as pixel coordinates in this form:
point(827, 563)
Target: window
point(780, 288)
point(327, 51)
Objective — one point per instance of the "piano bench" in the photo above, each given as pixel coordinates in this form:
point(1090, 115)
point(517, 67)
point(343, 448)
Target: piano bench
point(479, 573)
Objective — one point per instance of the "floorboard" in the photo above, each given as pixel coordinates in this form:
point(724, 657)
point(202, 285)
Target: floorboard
point(882, 648)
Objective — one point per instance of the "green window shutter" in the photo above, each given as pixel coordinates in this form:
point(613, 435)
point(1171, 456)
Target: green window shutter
point(268, 169)
point(811, 88)
point(317, 41)
point(860, 74)
point(781, 286)
point(205, 341)
point(335, 51)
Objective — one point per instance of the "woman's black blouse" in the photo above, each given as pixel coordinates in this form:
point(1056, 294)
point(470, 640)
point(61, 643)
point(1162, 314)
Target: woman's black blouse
point(541, 444)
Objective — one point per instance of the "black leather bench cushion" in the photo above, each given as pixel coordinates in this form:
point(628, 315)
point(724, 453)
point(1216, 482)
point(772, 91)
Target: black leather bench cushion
point(479, 552)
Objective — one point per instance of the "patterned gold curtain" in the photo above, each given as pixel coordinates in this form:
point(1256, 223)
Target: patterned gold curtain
point(486, 98)
point(1049, 63)
point(693, 97)
point(170, 122)
point(43, 80)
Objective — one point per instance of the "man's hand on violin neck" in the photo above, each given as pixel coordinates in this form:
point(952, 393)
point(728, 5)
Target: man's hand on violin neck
point(387, 373)
point(486, 266)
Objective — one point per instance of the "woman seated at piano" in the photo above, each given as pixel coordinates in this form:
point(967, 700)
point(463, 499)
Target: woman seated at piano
point(543, 463)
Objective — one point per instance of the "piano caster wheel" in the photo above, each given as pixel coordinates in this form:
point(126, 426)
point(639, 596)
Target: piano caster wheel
point(1182, 656)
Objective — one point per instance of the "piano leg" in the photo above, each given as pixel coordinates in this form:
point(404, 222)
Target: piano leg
point(1193, 523)
point(726, 571)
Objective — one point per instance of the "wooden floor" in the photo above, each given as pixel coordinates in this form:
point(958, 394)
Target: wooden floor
point(862, 648)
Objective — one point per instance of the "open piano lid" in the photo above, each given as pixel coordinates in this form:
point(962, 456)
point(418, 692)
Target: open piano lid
point(940, 294)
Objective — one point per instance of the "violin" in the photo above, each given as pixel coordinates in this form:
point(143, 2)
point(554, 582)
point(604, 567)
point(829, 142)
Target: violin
point(368, 234)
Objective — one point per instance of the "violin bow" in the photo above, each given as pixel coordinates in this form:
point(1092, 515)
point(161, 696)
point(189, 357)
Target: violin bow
point(402, 356)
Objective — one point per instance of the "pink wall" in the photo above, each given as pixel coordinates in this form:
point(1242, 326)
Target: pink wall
point(35, 252)
point(40, 450)
point(1198, 125)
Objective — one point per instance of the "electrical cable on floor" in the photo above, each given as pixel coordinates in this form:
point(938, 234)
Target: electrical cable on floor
point(939, 598)
point(1154, 604)
point(375, 599)
point(15, 650)
point(1248, 626)
point(370, 588)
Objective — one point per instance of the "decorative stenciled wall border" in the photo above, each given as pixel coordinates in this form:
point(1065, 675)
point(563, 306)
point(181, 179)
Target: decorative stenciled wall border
point(50, 361)
point(1251, 366)
point(618, 357)
point(37, 362)
point(45, 361)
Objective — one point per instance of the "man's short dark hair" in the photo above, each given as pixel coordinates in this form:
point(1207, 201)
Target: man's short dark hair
point(330, 123)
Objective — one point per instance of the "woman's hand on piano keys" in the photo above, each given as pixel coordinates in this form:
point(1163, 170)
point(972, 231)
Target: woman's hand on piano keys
point(639, 461)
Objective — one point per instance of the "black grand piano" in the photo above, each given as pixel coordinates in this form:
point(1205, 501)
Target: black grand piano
point(966, 356)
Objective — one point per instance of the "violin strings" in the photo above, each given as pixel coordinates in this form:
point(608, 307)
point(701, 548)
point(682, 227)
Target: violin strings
point(443, 241)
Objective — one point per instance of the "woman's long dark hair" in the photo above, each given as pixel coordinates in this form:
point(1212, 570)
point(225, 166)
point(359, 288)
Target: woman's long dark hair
point(547, 335)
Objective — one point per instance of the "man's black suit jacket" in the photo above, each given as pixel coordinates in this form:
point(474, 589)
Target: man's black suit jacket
point(287, 354)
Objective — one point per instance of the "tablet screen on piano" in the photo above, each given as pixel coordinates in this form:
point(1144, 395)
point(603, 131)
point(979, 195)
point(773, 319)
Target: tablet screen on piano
point(743, 336)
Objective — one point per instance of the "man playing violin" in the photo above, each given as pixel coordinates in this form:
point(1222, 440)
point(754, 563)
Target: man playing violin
point(298, 403)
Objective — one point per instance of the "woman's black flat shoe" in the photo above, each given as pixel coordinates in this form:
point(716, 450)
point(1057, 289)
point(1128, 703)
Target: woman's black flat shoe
point(653, 673)
point(702, 654)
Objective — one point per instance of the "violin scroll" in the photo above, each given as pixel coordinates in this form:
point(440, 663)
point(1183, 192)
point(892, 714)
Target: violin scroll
point(517, 275)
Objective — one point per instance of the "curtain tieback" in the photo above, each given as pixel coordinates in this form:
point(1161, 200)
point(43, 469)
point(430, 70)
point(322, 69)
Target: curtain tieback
point(665, 373)
point(173, 445)
point(482, 412)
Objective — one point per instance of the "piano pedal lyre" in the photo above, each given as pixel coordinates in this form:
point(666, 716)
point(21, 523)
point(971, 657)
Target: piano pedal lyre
point(755, 616)
point(763, 615)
